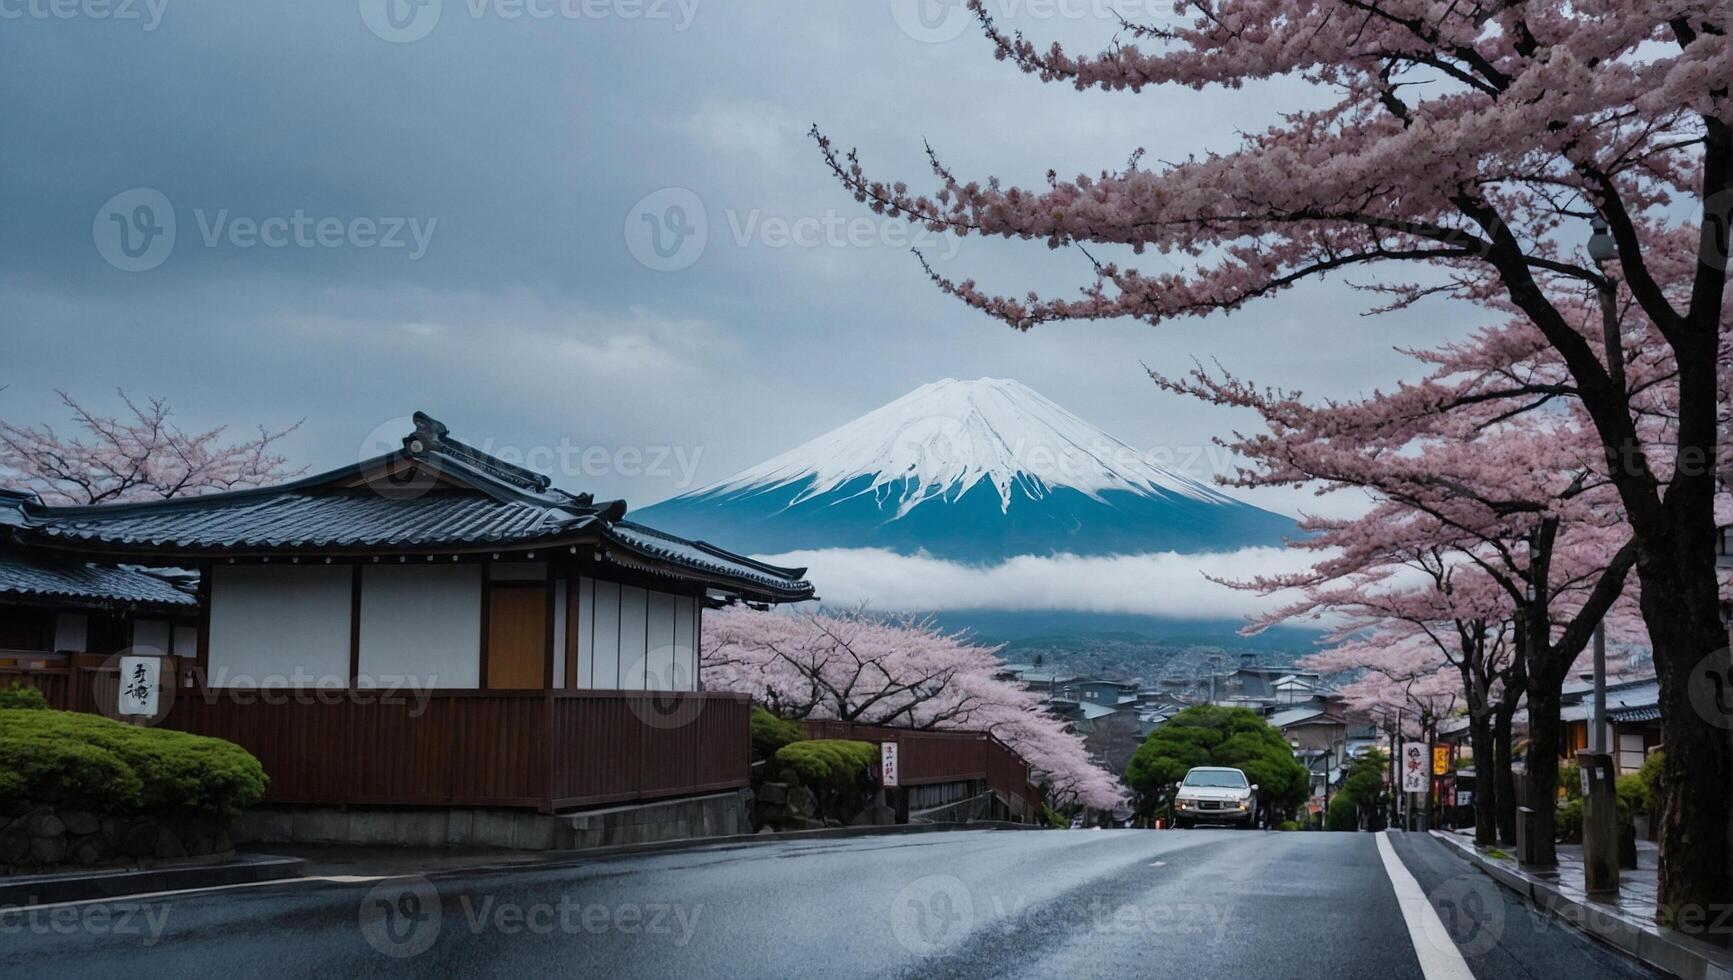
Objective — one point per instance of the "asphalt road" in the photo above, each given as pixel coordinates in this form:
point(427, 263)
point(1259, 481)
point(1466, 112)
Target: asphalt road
point(1220, 903)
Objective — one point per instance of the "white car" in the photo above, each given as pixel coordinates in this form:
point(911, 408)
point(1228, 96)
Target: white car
point(1215, 794)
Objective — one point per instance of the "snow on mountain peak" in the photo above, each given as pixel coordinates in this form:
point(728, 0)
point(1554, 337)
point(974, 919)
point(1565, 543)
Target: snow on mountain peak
point(943, 438)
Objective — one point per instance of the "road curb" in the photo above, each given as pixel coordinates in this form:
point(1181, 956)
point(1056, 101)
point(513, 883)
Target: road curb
point(1679, 955)
point(564, 859)
point(52, 889)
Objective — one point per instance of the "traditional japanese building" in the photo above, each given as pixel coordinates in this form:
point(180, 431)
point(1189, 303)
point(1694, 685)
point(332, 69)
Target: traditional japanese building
point(551, 644)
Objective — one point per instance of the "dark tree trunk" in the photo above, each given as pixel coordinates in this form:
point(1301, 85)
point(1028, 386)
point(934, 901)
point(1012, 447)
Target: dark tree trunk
point(1485, 786)
point(1503, 777)
point(1695, 670)
point(1544, 744)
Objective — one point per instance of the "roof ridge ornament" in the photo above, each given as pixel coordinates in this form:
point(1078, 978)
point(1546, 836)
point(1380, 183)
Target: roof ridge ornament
point(432, 435)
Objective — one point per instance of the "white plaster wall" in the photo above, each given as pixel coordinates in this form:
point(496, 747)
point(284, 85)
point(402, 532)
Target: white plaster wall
point(279, 625)
point(420, 625)
point(659, 669)
point(605, 636)
point(71, 633)
point(685, 643)
point(634, 636)
point(152, 636)
point(586, 632)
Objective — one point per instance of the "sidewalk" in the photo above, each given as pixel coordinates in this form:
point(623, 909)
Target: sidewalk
point(1627, 921)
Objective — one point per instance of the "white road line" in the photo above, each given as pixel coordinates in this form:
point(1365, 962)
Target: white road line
point(1439, 957)
point(140, 897)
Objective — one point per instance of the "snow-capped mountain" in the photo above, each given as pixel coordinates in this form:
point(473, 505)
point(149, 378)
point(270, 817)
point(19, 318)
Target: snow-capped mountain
point(971, 471)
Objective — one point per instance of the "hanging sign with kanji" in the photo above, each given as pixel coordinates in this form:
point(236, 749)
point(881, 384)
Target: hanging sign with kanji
point(1416, 767)
point(888, 774)
point(1441, 760)
point(140, 681)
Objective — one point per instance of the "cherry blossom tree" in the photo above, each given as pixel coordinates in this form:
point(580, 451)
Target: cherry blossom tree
point(900, 672)
point(1517, 499)
point(1472, 143)
point(138, 455)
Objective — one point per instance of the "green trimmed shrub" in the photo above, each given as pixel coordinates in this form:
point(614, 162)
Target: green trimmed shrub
point(72, 759)
point(1054, 819)
point(1569, 826)
point(1634, 793)
point(832, 764)
point(19, 697)
point(1651, 775)
point(1288, 825)
point(770, 733)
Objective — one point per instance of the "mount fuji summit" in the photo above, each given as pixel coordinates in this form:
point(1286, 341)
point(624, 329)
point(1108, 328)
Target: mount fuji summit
point(969, 471)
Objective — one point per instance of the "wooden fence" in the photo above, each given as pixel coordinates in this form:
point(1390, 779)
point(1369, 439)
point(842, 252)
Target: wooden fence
point(547, 750)
point(943, 757)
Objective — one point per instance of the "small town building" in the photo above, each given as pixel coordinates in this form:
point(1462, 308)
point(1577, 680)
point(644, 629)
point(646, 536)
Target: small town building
point(444, 627)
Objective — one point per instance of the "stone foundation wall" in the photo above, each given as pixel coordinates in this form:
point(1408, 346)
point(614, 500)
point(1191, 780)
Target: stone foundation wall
point(687, 818)
point(45, 838)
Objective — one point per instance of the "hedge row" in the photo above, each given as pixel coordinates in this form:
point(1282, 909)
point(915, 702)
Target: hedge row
point(84, 761)
point(832, 765)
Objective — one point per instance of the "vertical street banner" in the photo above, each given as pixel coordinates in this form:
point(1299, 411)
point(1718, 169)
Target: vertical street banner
point(1416, 767)
point(1441, 760)
point(888, 764)
point(140, 681)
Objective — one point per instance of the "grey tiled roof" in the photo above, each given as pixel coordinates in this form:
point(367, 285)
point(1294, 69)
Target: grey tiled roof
point(467, 500)
point(327, 519)
point(700, 555)
point(34, 575)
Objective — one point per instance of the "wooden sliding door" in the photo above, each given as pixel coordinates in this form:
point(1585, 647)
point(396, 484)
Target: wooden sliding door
point(517, 635)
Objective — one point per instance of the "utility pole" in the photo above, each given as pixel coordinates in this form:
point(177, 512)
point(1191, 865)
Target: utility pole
point(1598, 721)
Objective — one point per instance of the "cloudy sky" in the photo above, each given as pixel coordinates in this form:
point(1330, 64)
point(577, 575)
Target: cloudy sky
point(576, 223)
